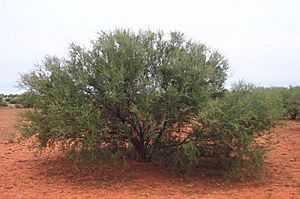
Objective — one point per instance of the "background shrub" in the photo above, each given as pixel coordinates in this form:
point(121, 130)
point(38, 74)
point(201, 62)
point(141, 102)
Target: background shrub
point(225, 131)
point(25, 100)
point(235, 121)
point(3, 102)
point(293, 103)
point(287, 99)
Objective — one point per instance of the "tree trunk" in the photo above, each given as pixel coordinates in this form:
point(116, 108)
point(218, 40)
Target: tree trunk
point(293, 116)
point(139, 146)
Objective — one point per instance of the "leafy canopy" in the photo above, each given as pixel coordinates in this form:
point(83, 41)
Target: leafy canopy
point(145, 95)
point(128, 88)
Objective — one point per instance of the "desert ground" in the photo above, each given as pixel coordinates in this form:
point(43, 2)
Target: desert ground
point(26, 174)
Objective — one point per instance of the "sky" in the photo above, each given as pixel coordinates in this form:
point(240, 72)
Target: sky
point(260, 38)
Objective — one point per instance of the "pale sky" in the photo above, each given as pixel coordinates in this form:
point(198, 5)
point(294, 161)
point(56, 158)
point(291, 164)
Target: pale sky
point(260, 38)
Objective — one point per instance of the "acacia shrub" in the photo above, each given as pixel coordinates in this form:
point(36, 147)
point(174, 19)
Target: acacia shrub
point(286, 98)
point(225, 131)
point(234, 122)
point(25, 100)
point(147, 96)
point(129, 91)
point(293, 103)
point(3, 102)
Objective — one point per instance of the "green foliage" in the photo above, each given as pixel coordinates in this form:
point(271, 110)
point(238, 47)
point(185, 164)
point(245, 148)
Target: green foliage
point(233, 122)
point(26, 100)
point(288, 99)
point(8, 100)
point(128, 89)
point(224, 133)
point(276, 98)
point(13, 100)
point(293, 103)
point(3, 102)
point(161, 97)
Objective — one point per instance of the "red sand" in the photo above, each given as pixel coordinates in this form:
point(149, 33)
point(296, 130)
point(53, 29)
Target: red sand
point(24, 175)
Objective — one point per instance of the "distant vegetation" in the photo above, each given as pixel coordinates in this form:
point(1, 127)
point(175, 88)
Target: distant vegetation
point(25, 100)
point(292, 102)
point(153, 98)
point(3, 102)
point(288, 98)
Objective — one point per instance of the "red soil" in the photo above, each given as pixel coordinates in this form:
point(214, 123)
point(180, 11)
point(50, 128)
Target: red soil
point(24, 175)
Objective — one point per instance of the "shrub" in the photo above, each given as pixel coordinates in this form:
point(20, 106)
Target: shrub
point(234, 122)
point(14, 100)
point(127, 89)
point(26, 100)
point(225, 131)
point(277, 98)
point(293, 103)
point(8, 100)
point(3, 102)
point(286, 99)
point(158, 97)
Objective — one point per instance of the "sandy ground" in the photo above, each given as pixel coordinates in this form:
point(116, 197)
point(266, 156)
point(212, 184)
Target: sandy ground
point(25, 175)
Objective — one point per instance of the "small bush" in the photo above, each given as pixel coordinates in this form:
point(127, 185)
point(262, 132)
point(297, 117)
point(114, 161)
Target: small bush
point(3, 102)
point(234, 122)
point(286, 99)
point(225, 131)
point(14, 100)
point(25, 100)
point(8, 100)
point(293, 103)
